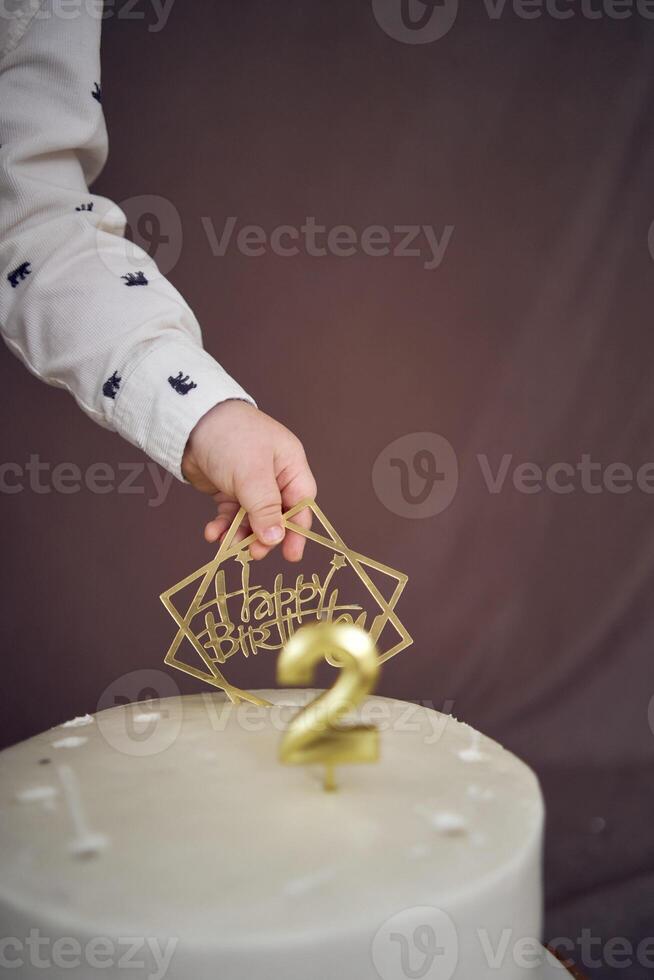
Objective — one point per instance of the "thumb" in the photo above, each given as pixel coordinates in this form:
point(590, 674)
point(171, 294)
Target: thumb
point(260, 496)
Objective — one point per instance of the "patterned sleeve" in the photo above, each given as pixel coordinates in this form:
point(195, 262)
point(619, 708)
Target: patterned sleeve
point(84, 309)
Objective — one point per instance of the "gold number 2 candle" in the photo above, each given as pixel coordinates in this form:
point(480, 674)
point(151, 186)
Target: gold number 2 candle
point(315, 735)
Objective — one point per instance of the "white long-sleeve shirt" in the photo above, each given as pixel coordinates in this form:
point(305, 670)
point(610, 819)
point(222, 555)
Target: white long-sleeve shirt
point(82, 307)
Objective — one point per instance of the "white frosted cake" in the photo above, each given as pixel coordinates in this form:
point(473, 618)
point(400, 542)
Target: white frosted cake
point(166, 840)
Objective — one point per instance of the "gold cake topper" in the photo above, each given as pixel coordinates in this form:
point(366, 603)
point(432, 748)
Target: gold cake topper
point(266, 619)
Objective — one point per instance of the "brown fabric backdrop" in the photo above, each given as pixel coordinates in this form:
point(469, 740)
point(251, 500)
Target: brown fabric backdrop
point(533, 613)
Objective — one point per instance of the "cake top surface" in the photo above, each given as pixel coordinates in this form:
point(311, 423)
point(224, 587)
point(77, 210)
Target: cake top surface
point(176, 817)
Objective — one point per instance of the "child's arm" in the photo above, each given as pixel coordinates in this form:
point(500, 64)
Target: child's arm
point(83, 315)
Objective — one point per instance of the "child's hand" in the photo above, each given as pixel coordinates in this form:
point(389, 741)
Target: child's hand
point(244, 458)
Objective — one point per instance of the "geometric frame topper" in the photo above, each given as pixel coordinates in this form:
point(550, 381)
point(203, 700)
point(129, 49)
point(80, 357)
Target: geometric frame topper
point(268, 619)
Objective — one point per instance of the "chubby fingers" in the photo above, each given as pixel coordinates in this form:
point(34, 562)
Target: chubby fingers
point(263, 488)
point(300, 486)
point(259, 493)
point(227, 511)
